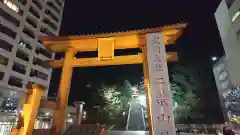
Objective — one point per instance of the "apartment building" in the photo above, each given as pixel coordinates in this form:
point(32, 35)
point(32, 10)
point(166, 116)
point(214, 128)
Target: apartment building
point(228, 20)
point(22, 55)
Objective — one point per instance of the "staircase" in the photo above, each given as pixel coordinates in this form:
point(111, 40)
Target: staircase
point(136, 121)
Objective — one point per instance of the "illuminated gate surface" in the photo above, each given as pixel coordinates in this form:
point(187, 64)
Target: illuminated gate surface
point(154, 58)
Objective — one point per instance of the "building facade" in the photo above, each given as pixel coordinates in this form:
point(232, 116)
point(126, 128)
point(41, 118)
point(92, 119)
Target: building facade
point(22, 55)
point(228, 20)
point(223, 83)
point(229, 94)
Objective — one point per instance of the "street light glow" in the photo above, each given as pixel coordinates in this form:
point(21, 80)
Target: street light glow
point(134, 89)
point(47, 113)
point(214, 58)
point(142, 100)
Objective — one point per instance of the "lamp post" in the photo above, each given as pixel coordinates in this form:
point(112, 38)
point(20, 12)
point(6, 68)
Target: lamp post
point(214, 58)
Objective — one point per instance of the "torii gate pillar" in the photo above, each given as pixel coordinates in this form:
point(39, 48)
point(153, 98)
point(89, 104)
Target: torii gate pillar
point(63, 92)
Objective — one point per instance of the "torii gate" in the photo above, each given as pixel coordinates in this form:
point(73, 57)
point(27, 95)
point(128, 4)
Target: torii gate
point(153, 57)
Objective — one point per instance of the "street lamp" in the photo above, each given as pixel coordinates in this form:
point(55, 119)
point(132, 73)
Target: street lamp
point(214, 58)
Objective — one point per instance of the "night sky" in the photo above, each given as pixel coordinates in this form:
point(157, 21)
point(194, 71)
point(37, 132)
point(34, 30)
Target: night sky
point(199, 42)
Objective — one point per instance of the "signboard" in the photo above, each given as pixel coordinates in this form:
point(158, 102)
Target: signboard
point(161, 97)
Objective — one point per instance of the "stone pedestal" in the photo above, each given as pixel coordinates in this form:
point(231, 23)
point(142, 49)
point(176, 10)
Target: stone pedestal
point(79, 111)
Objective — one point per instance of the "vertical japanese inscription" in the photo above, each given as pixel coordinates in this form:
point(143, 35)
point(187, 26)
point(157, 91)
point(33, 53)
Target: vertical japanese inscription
point(161, 104)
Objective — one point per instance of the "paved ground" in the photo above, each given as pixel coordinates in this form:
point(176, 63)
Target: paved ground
point(136, 133)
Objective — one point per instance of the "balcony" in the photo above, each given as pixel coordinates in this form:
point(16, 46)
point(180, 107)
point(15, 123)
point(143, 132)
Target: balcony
point(7, 31)
point(37, 3)
point(25, 44)
point(3, 60)
point(9, 18)
point(34, 12)
point(38, 74)
point(31, 21)
point(1, 75)
point(59, 3)
point(23, 2)
point(40, 50)
point(22, 55)
point(5, 45)
point(52, 16)
point(29, 32)
point(12, 6)
point(46, 31)
point(52, 6)
point(15, 81)
point(37, 61)
point(19, 68)
point(50, 24)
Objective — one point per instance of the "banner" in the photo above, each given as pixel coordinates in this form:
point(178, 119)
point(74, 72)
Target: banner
point(161, 97)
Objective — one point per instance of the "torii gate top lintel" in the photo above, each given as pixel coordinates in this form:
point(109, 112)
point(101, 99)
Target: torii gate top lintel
point(123, 40)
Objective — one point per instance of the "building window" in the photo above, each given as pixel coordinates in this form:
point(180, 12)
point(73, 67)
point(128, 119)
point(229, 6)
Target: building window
point(50, 14)
point(22, 55)
point(32, 22)
point(25, 44)
point(24, 2)
point(38, 74)
point(3, 60)
point(5, 45)
point(7, 31)
point(19, 68)
point(1, 75)
point(11, 5)
point(29, 32)
point(37, 3)
point(15, 81)
point(49, 23)
point(44, 52)
point(9, 105)
point(51, 5)
point(34, 12)
point(9, 18)
point(235, 16)
point(59, 3)
point(46, 31)
point(37, 61)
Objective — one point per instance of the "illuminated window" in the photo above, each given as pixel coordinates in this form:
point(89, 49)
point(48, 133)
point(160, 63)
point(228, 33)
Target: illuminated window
point(235, 16)
point(11, 5)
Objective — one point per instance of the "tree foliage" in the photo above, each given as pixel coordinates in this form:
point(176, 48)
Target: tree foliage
point(183, 87)
point(183, 84)
point(116, 99)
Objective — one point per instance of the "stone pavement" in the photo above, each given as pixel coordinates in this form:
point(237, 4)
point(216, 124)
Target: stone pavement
point(140, 133)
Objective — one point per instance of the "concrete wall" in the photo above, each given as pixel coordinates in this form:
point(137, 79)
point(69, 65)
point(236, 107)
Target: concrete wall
point(229, 41)
point(19, 29)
